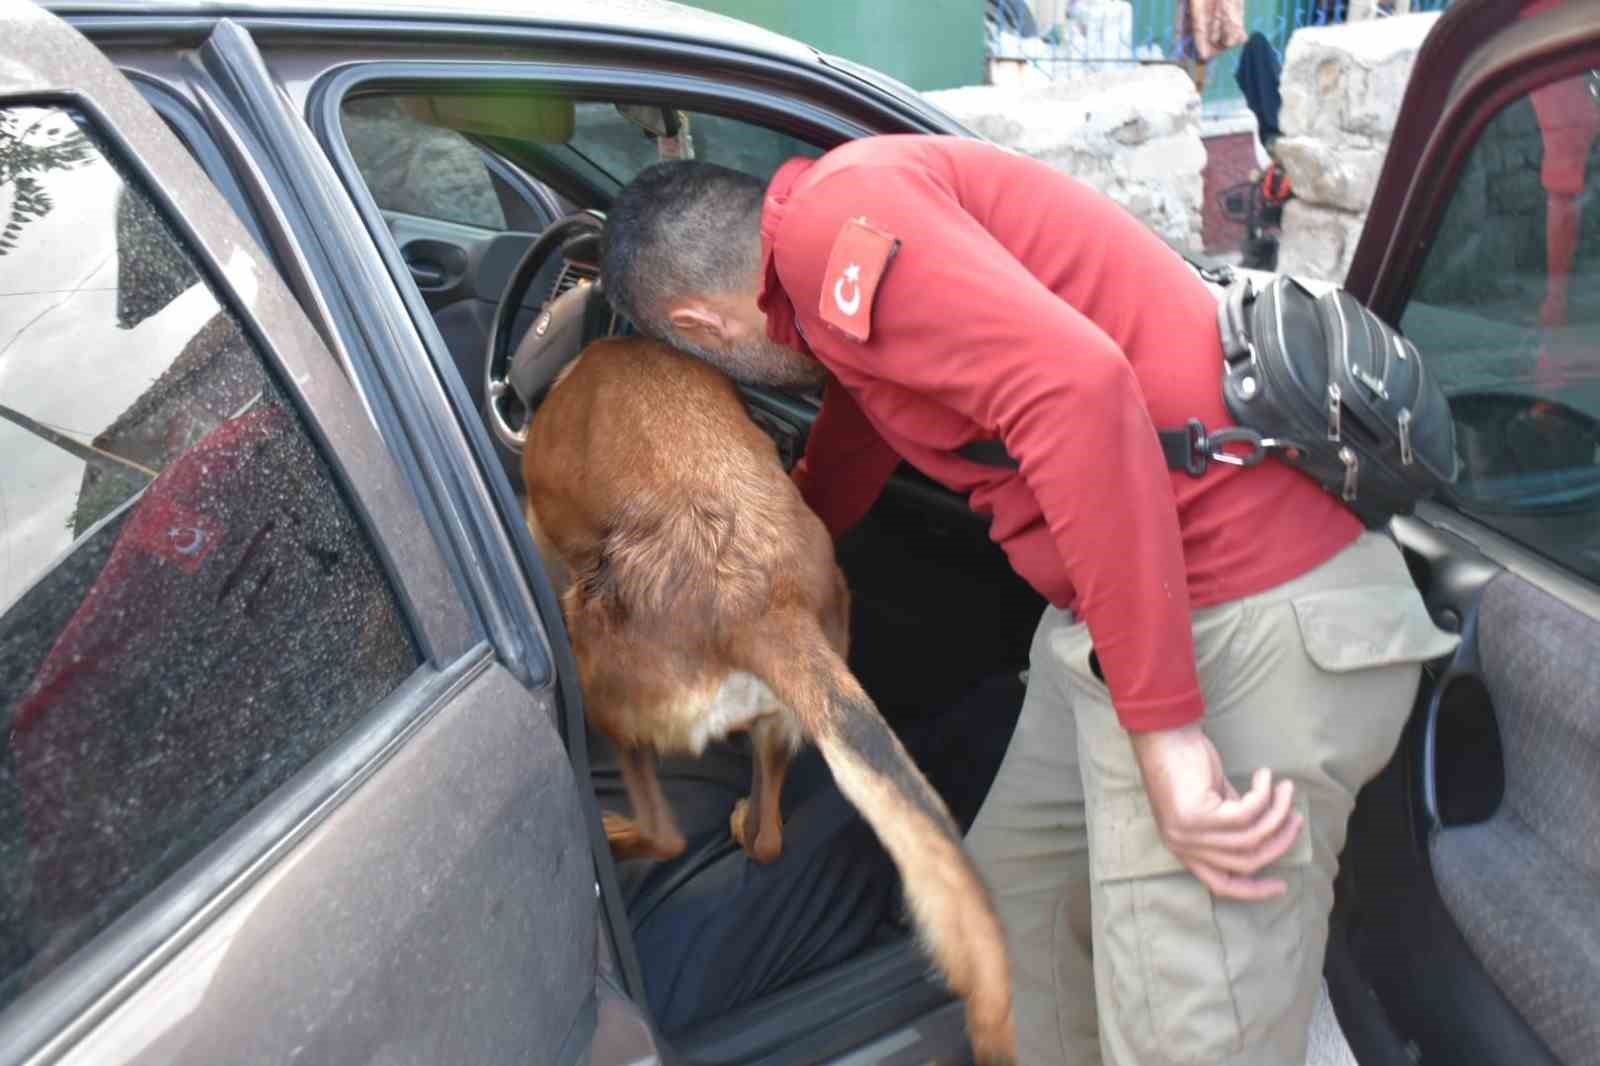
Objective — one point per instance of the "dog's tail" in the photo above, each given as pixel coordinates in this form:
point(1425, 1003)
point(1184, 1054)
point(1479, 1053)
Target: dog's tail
point(952, 908)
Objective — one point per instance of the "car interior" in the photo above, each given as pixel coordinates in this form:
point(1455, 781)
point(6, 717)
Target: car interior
point(1466, 901)
point(496, 204)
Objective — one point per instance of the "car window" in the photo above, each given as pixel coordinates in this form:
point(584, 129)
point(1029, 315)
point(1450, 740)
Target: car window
point(419, 169)
point(1507, 310)
point(189, 611)
point(621, 148)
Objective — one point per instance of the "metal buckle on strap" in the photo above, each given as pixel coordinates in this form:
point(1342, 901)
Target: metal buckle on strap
point(1334, 398)
point(1213, 447)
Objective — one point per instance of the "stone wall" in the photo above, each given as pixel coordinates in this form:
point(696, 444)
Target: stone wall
point(1341, 90)
point(1133, 134)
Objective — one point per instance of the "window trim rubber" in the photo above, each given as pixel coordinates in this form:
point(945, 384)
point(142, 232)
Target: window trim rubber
point(187, 126)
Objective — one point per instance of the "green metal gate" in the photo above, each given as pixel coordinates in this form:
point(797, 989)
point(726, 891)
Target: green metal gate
point(928, 44)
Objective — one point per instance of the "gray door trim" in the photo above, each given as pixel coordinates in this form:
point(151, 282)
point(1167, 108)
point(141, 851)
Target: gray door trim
point(1422, 532)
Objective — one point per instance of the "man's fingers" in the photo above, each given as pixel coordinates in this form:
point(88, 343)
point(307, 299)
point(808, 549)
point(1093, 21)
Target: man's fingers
point(1253, 860)
point(1200, 833)
point(1232, 886)
point(1243, 812)
point(1261, 805)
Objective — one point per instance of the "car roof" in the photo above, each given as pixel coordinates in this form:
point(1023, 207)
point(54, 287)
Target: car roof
point(651, 17)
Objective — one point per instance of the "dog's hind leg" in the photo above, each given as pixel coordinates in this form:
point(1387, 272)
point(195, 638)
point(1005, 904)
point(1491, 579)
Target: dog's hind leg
point(652, 832)
point(757, 822)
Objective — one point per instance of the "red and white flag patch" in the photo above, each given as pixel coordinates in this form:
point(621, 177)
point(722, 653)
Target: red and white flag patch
point(860, 256)
point(172, 532)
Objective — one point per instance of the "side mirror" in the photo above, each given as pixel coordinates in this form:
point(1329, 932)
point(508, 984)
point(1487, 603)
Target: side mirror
point(1523, 454)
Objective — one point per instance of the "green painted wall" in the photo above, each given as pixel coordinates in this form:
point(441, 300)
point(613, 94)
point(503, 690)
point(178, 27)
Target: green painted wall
point(928, 44)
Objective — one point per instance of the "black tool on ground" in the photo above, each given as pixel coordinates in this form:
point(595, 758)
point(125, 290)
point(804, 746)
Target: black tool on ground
point(1257, 204)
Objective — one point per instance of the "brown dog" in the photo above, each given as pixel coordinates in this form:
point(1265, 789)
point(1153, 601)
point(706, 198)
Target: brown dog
point(702, 597)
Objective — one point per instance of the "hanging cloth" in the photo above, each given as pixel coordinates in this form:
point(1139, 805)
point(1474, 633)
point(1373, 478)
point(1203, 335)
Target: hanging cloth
point(1208, 27)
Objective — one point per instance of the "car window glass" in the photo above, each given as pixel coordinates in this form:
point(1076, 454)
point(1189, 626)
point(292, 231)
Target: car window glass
point(622, 149)
point(188, 610)
point(419, 169)
point(1507, 309)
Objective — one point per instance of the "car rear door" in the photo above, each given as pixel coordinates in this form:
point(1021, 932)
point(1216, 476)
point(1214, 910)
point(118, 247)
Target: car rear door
point(1469, 903)
point(274, 785)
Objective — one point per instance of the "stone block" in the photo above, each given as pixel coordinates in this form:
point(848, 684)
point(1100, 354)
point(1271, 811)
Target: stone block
point(1342, 87)
point(1317, 241)
point(1325, 173)
point(1133, 134)
point(1350, 77)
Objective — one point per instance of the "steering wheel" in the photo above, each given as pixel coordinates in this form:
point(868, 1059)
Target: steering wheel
point(515, 382)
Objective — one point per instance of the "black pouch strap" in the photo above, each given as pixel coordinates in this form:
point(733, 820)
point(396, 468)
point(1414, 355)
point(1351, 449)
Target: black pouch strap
point(1188, 448)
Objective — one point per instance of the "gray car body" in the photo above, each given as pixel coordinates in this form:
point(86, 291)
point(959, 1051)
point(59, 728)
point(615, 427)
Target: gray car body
point(427, 891)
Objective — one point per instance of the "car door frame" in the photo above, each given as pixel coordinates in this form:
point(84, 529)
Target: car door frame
point(458, 667)
point(1476, 60)
point(622, 67)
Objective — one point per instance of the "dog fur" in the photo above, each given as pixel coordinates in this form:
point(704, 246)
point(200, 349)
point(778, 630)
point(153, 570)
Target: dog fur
point(702, 597)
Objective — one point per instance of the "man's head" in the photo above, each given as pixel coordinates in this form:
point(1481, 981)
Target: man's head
point(683, 261)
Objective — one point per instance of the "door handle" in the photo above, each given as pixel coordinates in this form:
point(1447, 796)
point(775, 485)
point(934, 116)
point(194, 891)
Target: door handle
point(428, 274)
point(435, 265)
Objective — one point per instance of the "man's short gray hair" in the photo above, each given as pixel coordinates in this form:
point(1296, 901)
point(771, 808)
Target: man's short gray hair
point(680, 229)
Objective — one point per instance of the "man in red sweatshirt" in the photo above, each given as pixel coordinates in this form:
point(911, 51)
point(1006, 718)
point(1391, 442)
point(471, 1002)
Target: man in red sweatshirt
point(1226, 660)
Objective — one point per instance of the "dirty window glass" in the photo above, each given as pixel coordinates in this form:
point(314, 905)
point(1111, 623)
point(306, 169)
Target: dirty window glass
point(1507, 309)
point(419, 169)
point(188, 612)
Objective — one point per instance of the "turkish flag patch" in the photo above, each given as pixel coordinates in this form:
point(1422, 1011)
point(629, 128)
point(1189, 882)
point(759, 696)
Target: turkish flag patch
point(856, 265)
point(172, 532)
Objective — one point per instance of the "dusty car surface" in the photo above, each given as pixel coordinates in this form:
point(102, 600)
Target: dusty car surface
point(295, 765)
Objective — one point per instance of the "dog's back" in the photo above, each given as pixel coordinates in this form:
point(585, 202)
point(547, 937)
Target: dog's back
point(652, 481)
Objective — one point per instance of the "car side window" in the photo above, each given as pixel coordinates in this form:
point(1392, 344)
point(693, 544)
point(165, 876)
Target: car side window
point(620, 147)
point(415, 168)
point(1507, 309)
point(189, 611)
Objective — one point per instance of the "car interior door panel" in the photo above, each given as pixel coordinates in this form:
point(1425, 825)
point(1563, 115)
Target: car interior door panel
point(1523, 883)
point(1470, 889)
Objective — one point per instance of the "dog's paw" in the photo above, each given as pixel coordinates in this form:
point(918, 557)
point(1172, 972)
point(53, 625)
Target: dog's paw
point(628, 840)
point(762, 847)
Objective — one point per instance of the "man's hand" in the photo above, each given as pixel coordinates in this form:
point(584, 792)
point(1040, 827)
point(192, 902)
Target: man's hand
point(1222, 837)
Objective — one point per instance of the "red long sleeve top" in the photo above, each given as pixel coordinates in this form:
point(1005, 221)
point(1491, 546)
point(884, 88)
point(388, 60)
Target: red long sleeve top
point(1022, 305)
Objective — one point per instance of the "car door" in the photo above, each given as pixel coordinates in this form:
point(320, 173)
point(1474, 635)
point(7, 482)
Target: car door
point(270, 788)
point(1468, 924)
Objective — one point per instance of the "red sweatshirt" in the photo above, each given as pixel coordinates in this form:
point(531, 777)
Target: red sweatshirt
point(1015, 302)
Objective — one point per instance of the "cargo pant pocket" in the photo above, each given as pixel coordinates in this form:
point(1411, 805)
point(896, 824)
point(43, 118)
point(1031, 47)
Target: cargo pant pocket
point(1187, 977)
point(1347, 630)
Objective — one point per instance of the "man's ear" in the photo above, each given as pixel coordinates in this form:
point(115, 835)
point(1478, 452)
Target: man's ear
point(699, 322)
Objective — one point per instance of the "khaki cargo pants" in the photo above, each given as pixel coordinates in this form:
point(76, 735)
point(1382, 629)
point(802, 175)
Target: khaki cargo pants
point(1120, 955)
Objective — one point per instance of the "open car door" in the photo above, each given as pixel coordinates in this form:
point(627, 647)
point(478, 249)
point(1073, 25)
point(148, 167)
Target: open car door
point(267, 790)
point(1468, 923)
